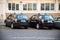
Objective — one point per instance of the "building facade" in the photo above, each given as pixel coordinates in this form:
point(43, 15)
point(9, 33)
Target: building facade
point(29, 7)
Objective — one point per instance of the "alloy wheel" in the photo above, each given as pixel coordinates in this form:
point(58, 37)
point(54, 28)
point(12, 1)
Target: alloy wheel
point(37, 26)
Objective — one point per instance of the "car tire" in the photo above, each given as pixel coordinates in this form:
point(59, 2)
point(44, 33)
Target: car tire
point(37, 26)
point(49, 27)
point(12, 26)
point(26, 27)
point(5, 24)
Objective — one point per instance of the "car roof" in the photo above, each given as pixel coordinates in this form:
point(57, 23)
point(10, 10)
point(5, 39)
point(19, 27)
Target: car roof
point(21, 14)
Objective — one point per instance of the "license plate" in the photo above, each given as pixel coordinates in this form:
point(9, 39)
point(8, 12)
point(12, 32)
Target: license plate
point(23, 21)
point(49, 21)
point(33, 21)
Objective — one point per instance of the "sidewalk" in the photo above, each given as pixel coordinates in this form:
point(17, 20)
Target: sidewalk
point(1, 22)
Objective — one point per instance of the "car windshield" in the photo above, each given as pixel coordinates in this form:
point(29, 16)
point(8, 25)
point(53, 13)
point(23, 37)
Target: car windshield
point(58, 18)
point(47, 17)
point(22, 16)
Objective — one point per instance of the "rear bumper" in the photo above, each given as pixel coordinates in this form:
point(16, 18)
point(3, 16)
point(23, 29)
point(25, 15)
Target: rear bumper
point(21, 23)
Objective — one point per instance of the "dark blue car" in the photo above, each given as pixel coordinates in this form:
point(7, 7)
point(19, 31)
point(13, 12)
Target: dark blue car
point(48, 20)
point(17, 20)
point(57, 22)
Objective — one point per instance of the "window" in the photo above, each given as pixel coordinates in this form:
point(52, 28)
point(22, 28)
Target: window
point(29, 6)
point(59, 6)
point(24, 6)
point(17, 6)
point(42, 6)
point(47, 6)
point(13, 6)
point(9, 6)
point(34, 6)
point(52, 6)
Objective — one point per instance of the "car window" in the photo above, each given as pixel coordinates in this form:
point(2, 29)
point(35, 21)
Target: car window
point(22, 16)
point(10, 16)
point(58, 19)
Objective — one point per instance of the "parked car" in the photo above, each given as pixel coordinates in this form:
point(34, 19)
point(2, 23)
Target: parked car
point(48, 21)
point(18, 20)
point(57, 22)
point(36, 21)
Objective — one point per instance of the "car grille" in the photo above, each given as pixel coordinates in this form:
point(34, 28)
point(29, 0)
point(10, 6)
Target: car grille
point(45, 21)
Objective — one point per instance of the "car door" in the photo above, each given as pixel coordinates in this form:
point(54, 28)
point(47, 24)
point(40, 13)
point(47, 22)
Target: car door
point(9, 20)
point(33, 20)
point(57, 22)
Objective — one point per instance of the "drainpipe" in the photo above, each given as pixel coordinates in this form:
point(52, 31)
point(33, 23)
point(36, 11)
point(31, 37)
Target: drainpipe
point(21, 6)
point(38, 6)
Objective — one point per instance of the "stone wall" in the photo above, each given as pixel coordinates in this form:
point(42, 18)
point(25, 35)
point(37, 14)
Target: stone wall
point(31, 14)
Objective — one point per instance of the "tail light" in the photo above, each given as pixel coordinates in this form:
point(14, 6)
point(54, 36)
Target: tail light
point(15, 19)
point(42, 21)
point(27, 20)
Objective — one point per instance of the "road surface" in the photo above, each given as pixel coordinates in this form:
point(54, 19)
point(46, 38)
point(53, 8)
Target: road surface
point(7, 33)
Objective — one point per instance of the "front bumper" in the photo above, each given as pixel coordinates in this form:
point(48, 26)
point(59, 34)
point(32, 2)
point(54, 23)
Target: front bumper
point(49, 24)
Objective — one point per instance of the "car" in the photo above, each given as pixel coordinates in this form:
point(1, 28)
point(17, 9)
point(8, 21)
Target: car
point(36, 21)
point(57, 22)
point(17, 20)
point(48, 20)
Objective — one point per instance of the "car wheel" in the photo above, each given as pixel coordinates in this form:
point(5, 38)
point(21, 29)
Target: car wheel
point(5, 24)
point(12, 26)
point(37, 26)
point(26, 27)
point(49, 27)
